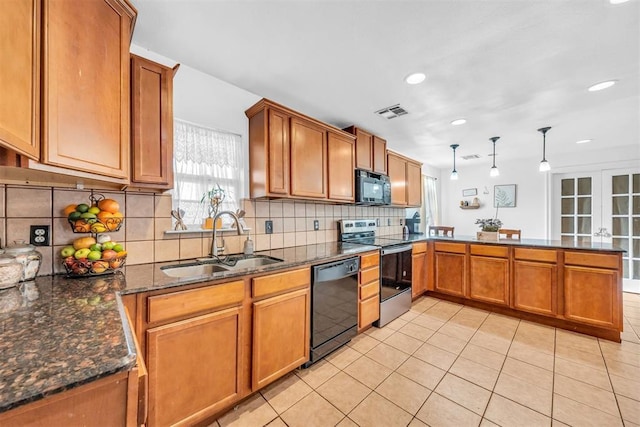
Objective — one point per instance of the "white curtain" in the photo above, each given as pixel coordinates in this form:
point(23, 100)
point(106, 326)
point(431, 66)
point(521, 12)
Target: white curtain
point(431, 216)
point(204, 158)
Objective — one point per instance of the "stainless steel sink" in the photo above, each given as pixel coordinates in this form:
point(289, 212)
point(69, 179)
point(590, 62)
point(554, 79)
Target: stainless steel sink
point(191, 270)
point(208, 266)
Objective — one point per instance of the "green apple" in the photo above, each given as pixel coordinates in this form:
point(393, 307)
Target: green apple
point(118, 247)
point(67, 251)
point(75, 215)
point(94, 255)
point(82, 253)
point(96, 247)
point(108, 245)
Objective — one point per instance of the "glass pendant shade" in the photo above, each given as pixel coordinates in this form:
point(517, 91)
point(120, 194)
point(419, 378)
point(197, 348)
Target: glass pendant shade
point(494, 169)
point(454, 172)
point(544, 164)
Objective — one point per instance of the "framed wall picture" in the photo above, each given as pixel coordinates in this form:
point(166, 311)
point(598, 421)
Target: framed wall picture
point(469, 192)
point(504, 196)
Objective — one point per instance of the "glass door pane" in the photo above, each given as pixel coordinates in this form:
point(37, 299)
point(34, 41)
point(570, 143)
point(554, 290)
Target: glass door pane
point(576, 209)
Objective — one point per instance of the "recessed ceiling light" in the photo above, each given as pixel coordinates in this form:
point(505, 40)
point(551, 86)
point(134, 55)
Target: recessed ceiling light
point(602, 85)
point(415, 78)
point(618, 1)
point(583, 141)
point(458, 122)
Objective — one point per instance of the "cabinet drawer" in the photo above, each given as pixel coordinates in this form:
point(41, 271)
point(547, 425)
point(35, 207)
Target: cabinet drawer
point(368, 311)
point(544, 255)
point(184, 303)
point(490, 250)
point(456, 248)
point(275, 283)
point(369, 260)
point(369, 290)
point(369, 275)
point(419, 248)
point(592, 260)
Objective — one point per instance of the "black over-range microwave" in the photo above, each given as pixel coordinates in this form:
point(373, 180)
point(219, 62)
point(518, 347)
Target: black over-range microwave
point(372, 188)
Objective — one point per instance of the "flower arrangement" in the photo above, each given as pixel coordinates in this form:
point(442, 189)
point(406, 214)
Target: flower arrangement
point(490, 224)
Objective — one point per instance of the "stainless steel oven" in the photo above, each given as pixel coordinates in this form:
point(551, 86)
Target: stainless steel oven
point(395, 282)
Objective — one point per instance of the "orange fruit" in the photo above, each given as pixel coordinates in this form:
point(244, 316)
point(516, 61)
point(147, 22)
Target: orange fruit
point(71, 208)
point(118, 214)
point(104, 215)
point(109, 205)
point(81, 226)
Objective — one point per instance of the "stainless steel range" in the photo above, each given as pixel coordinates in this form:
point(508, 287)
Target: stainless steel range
point(395, 266)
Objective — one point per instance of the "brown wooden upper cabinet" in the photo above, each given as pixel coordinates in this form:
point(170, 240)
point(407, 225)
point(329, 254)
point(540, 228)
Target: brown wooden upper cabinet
point(371, 151)
point(20, 77)
point(406, 180)
point(151, 124)
point(295, 156)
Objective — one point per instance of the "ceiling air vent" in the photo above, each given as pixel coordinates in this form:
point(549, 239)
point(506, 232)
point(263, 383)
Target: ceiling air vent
point(392, 112)
point(471, 157)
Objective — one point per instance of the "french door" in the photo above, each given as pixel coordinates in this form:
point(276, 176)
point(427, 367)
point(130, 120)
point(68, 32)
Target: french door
point(600, 207)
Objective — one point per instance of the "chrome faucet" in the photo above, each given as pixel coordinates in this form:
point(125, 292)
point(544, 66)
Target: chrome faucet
point(214, 244)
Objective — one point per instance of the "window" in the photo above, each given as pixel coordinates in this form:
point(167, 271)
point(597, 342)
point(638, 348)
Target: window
point(204, 158)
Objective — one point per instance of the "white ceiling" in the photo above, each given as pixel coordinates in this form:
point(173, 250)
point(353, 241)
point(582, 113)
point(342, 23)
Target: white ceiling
point(509, 67)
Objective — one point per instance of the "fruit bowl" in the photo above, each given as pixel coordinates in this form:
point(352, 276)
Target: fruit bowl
point(95, 225)
point(84, 267)
point(100, 215)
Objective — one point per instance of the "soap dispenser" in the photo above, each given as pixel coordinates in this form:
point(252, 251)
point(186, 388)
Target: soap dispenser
point(248, 246)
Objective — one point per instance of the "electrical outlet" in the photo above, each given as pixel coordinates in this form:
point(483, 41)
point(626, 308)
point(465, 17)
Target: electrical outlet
point(377, 222)
point(316, 225)
point(268, 226)
point(39, 235)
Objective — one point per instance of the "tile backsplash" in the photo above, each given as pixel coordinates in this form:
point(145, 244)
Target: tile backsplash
point(148, 216)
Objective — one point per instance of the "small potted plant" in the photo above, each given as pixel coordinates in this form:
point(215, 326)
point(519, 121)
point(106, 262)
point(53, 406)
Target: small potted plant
point(489, 228)
point(213, 199)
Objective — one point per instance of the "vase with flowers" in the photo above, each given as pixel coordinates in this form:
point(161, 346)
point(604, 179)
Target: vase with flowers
point(213, 199)
point(489, 227)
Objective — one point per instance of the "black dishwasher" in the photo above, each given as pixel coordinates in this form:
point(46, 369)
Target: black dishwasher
point(334, 306)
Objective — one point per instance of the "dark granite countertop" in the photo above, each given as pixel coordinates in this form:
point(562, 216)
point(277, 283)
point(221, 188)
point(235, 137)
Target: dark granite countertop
point(58, 333)
point(541, 243)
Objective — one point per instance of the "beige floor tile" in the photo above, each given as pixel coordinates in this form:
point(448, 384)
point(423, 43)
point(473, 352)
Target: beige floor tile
point(363, 343)
point(410, 315)
point(574, 413)
point(403, 392)
point(346, 422)
point(436, 356)
point(417, 332)
point(625, 387)
point(630, 409)
point(505, 412)
point(576, 356)
point(282, 394)
point(441, 412)
point(486, 423)
point(578, 341)
point(277, 423)
point(403, 342)
point(483, 356)
point(443, 310)
point(417, 423)
point(343, 392)
point(396, 324)
point(464, 393)
point(491, 342)
point(524, 393)
point(625, 352)
point(421, 372)
point(529, 373)
point(623, 370)
point(447, 342)
point(379, 333)
point(476, 373)
point(343, 357)
point(317, 374)
point(375, 411)
point(312, 411)
point(252, 412)
point(583, 373)
point(531, 355)
point(368, 372)
point(556, 423)
point(428, 321)
point(535, 342)
point(387, 355)
point(460, 332)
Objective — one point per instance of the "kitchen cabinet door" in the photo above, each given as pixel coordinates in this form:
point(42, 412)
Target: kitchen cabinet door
point(341, 164)
point(535, 287)
point(86, 84)
point(379, 155)
point(20, 23)
point(308, 159)
point(278, 152)
point(414, 184)
point(418, 269)
point(591, 295)
point(151, 124)
point(489, 279)
point(450, 269)
point(364, 153)
point(397, 168)
point(281, 327)
point(194, 367)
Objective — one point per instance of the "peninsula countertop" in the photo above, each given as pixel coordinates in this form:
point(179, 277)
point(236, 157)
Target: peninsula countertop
point(58, 333)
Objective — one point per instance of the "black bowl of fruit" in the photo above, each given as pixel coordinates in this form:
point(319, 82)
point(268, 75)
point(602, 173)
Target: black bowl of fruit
point(87, 257)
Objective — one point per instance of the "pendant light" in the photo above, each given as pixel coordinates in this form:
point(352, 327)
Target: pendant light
point(454, 172)
point(494, 168)
point(544, 165)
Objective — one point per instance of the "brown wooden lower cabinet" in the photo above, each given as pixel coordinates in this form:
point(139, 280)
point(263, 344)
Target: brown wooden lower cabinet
point(450, 271)
point(489, 279)
point(418, 269)
point(368, 290)
point(591, 295)
point(535, 287)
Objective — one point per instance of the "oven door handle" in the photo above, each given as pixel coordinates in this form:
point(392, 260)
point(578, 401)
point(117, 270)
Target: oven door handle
point(395, 249)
